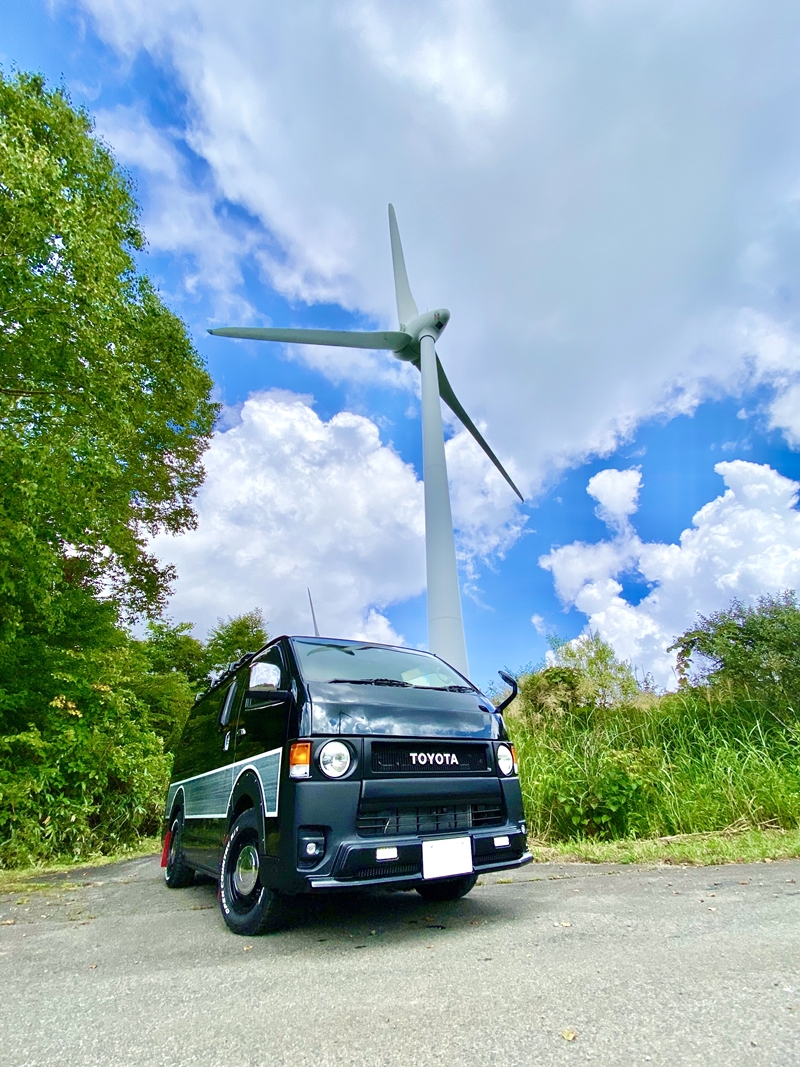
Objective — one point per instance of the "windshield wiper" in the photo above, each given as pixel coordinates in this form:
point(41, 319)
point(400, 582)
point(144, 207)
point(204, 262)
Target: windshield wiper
point(448, 688)
point(373, 681)
point(403, 685)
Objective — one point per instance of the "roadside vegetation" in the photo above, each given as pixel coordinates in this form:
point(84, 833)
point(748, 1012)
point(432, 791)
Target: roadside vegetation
point(735, 845)
point(105, 412)
point(603, 758)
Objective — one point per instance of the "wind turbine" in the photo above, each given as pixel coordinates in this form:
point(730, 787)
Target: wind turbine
point(415, 343)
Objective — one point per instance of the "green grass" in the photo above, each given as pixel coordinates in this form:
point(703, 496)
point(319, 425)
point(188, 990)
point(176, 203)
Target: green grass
point(686, 763)
point(749, 846)
point(29, 878)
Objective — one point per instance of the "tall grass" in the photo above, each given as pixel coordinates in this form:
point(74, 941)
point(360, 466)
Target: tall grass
point(687, 762)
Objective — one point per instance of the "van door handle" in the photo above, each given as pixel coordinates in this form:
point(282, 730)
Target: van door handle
point(226, 744)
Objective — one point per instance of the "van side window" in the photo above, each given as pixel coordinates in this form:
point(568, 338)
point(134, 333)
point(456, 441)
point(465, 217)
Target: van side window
point(227, 704)
point(200, 742)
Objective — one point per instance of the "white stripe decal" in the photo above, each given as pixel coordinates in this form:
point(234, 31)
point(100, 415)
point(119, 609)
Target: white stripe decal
point(207, 793)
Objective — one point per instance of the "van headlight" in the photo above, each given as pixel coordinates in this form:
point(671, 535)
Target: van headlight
point(335, 759)
point(505, 760)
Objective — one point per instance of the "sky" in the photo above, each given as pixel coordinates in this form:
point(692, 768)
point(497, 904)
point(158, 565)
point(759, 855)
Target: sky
point(604, 193)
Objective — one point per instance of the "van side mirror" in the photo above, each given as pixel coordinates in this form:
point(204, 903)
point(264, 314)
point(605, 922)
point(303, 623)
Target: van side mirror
point(509, 679)
point(265, 675)
point(264, 687)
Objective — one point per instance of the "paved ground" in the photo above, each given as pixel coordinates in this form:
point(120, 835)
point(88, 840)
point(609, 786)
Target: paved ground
point(666, 966)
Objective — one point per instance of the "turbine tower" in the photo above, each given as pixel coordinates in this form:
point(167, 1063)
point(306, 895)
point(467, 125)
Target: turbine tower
point(415, 343)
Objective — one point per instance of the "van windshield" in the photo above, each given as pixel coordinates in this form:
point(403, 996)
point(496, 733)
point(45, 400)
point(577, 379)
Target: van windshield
point(343, 662)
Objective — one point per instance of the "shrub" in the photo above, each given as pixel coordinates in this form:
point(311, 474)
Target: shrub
point(685, 762)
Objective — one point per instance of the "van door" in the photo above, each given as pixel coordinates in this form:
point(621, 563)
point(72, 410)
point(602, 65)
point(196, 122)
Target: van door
point(208, 791)
point(262, 721)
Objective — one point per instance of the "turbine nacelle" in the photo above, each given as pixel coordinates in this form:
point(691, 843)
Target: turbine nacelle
point(430, 324)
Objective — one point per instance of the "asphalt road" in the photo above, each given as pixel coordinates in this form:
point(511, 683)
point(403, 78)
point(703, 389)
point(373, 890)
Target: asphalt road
point(664, 966)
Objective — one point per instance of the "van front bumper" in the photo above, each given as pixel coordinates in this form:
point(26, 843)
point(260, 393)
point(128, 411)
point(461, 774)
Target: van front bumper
point(359, 853)
point(357, 864)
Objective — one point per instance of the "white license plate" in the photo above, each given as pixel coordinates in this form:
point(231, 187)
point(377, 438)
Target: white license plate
point(443, 859)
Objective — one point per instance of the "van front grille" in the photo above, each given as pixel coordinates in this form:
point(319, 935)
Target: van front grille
point(429, 757)
point(427, 819)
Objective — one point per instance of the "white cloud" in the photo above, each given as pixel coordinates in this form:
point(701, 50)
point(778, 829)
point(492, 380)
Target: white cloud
point(742, 544)
point(617, 494)
point(539, 624)
point(179, 215)
point(605, 201)
point(484, 506)
point(341, 365)
point(451, 69)
point(784, 414)
point(291, 502)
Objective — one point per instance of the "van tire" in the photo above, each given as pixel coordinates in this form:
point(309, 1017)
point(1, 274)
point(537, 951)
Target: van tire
point(246, 910)
point(447, 888)
point(177, 872)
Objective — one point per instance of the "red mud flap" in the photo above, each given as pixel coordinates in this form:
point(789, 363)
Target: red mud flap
point(165, 849)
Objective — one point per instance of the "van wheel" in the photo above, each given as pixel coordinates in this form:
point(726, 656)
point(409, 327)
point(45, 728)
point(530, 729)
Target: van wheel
point(177, 873)
point(248, 907)
point(447, 888)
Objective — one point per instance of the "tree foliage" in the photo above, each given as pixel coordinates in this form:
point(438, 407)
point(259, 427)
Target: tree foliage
point(104, 404)
point(105, 412)
point(232, 637)
point(583, 675)
point(755, 648)
point(603, 757)
point(88, 731)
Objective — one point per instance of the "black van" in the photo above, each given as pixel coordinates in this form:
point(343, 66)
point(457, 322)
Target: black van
point(318, 764)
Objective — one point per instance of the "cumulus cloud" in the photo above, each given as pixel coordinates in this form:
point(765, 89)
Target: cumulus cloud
point(616, 493)
point(291, 502)
point(605, 195)
point(742, 544)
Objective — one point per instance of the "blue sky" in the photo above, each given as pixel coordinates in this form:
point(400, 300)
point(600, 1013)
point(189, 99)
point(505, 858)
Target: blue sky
point(608, 199)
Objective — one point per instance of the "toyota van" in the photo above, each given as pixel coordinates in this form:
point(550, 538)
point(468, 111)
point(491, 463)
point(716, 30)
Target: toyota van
point(317, 764)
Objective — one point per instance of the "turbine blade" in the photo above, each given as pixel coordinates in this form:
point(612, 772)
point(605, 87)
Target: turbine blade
point(452, 401)
point(406, 305)
point(391, 341)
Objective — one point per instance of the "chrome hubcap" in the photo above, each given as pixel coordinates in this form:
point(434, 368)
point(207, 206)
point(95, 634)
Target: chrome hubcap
point(173, 843)
point(246, 874)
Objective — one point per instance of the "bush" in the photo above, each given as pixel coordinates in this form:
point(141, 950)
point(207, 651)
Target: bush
point(646, 766)
point(89, 719)
point(81, 786)
point(82, 768)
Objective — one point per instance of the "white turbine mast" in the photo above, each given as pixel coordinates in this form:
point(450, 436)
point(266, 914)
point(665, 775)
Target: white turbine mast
point(415, 343)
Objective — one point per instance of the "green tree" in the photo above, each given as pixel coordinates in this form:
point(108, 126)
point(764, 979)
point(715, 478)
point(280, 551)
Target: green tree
point(171, 649)
point(169, 671)
point(105, 412)
point(582, 675)
point(606, 679)
point(755, 648)
point(82, 768)
point(232, 637)
point(104, 404)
